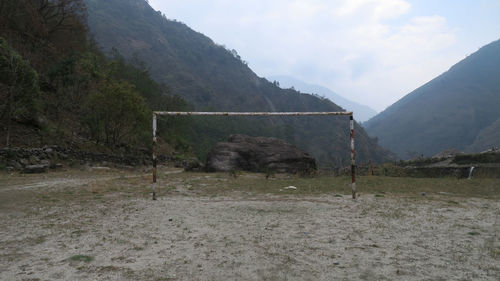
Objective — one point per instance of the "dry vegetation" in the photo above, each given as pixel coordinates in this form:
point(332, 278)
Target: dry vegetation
point(102, 225)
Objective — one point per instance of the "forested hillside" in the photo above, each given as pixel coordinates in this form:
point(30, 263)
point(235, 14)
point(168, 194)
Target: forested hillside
point(57, 88)
point(458, 109)
point(213, 78)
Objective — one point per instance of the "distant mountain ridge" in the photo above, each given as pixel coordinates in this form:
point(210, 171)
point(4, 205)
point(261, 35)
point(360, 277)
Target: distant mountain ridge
point(362, 112)
point(458, 109)
point(213, 78)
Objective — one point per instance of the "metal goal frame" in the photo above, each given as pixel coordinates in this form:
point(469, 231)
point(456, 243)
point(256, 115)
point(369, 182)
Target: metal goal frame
point(195, 113)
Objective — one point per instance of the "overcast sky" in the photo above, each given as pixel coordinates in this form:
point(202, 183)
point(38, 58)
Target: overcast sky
point(370, 51)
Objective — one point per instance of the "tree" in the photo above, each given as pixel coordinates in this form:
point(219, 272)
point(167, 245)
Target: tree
point(116, 114)
point(18, 88)
point(43, 30)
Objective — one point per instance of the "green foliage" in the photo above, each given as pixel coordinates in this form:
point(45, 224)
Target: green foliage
point(158, 98)
point(20, 81)
point(43, 33)
point(69, 82)
point(82, 95)
point(18, 88)
point(116, 113)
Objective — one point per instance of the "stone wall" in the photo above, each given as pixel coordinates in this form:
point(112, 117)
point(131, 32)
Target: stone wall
point(51, 157)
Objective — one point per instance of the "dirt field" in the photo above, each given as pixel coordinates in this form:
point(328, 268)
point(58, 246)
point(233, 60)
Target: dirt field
point(102, 225)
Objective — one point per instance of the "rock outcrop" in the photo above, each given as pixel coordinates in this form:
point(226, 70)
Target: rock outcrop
point(259, 154)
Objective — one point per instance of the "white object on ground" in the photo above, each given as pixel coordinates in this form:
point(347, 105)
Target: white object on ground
point(290, 187)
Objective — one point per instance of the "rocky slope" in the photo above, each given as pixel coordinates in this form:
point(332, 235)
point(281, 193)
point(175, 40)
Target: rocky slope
point(453, 110)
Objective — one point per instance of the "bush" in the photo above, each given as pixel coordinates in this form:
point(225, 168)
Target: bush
point(116, 114)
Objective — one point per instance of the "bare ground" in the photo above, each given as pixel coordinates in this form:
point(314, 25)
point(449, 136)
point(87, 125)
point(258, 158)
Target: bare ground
point(102, 225)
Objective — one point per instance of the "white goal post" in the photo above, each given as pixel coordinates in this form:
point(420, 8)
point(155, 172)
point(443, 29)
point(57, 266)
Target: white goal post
point(177, 113)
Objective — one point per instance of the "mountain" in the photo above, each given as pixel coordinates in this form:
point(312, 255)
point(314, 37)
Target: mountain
point(457, 109)
point(213, 78)
point(362, 112)
point(487, 138)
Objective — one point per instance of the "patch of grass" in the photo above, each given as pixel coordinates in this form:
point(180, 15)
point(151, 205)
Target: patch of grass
point(83, 258)
point(325, 184)
point(216, 185)
point(473, 233)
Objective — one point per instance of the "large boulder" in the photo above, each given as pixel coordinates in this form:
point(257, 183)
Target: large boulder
point(259, 154)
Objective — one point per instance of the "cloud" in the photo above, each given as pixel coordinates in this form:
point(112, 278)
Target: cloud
point(373, 51)
point(376, 9)
point(396, 59)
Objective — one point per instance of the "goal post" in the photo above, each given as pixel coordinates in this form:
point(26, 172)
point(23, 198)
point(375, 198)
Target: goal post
point(195, 113)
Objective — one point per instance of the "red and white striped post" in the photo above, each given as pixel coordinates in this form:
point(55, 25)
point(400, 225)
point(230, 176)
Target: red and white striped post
point(154, 156)
point(353, 158)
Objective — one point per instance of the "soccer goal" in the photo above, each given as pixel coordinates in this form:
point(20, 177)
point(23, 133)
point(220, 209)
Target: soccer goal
point(175, 113)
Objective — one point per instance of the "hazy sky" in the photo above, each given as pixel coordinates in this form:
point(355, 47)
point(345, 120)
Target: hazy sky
point(370, 51)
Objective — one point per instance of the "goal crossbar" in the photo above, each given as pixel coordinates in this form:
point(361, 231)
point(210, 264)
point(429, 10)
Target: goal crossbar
point(196, 113)
point(182, 113)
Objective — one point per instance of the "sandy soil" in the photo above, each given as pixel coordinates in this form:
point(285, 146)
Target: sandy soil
point(240, 237)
